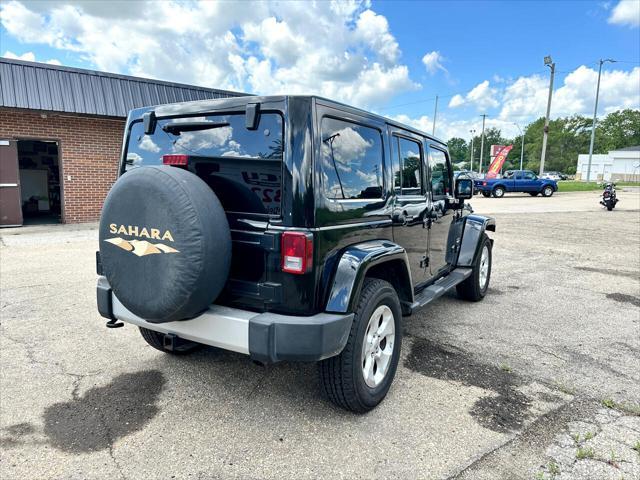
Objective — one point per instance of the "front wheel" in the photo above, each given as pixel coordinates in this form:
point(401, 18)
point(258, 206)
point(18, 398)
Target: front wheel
point(475, 287)
point(359, 378)
point(547, 191)
point(498, 192)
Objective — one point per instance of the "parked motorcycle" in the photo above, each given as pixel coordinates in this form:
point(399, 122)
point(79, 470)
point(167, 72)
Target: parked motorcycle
point(609, 198)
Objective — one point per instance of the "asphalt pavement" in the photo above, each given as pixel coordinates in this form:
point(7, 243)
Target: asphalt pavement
point(539, 380)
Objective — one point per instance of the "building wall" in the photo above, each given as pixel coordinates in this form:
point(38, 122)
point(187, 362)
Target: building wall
point(617, 165)
point(89, 149)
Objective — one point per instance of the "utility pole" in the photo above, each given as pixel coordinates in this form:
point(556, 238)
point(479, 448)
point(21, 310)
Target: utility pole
point(595, 113)
point(521, 148)
point(549, 63)
point(484, 116)
point(435, 114)
point(472, 132)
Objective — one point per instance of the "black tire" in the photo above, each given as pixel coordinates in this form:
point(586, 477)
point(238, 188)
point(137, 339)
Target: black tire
point(156, 340)
point(341, 377)
point(486, 194)
point(609, 206)
point(547, 191)
point(498, 192)
point(471, 289)
point(533, 194)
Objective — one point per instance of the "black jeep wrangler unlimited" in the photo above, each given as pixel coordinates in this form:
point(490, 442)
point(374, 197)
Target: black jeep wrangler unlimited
point(286, 228)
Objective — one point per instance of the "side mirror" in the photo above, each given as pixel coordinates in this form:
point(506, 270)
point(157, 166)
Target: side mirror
point(464, 188)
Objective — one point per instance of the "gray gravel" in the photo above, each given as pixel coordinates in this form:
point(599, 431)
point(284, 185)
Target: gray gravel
point(489, 390)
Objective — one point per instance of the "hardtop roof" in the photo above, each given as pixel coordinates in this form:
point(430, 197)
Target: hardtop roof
point(199, 106)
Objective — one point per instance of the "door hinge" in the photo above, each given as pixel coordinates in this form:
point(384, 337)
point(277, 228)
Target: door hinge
point(424, 263)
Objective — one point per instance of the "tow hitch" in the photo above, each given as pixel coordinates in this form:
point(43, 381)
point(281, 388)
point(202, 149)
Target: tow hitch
point(173, 343)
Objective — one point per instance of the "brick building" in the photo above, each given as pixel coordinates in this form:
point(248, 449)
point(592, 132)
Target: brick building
point(61, 134)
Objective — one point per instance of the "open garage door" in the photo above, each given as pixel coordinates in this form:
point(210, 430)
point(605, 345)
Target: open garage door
point(10, 206)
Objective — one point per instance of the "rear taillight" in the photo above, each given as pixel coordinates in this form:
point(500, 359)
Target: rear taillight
point(297, 252)
point(484, 184)
point(176, 160)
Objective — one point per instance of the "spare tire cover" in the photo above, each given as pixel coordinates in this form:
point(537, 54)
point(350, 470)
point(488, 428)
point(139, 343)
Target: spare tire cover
point(165, 244)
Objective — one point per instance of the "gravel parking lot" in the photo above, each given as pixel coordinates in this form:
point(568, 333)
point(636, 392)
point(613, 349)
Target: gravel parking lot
point(540, 380)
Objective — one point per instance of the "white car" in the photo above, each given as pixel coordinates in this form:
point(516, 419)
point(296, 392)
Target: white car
point(551, 176)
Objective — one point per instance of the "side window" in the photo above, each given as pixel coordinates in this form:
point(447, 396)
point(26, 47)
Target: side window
point(529, 176)
point(351, 160)
point(440, 173)
point(410, 170)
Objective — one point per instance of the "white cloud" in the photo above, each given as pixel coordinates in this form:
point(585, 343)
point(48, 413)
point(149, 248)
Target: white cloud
point(527, 96)
point(29, 57)
point(482, 96)
point(627, 12)
point(342, 50)
point(525, 99)
point(456, 101)
point(373, 29)
point(148, 144)
point(447, 127)
point(433, 62)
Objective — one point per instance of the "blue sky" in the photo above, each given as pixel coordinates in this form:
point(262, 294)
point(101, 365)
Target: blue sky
point(480, 40)
point(390, 57)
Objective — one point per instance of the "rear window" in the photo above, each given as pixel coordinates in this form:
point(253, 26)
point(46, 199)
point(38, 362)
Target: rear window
point(242, 166)
point(351, 160)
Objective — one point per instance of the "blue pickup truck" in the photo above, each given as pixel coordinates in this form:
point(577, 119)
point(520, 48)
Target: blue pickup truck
point(516, 181)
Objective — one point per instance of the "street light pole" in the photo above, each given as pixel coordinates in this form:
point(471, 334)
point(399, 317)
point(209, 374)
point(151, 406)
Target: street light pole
point(435, 114)
point(595, 113)
point(484, 116)
point(549, 63)
point(522, 148)
point(472, 132)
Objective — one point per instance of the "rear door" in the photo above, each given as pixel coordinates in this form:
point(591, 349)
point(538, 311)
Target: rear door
point(10, 208)
point(410, 206)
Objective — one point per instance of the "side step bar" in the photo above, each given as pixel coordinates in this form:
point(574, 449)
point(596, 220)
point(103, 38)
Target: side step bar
point(441, 287)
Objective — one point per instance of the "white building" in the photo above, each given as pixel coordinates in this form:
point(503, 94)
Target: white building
point(617, 165)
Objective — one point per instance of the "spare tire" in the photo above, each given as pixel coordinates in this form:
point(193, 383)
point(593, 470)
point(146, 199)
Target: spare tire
point(165, 244)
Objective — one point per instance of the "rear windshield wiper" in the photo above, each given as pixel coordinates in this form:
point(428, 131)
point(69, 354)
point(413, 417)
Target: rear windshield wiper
point(176, 127)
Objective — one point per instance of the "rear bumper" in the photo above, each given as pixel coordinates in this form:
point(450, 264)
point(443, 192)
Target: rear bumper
point(265, 337)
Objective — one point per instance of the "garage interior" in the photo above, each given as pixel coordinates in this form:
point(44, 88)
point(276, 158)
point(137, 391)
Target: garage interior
point(39, 170)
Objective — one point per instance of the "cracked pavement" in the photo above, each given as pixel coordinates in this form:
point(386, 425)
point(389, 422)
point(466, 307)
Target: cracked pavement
point(510, 388)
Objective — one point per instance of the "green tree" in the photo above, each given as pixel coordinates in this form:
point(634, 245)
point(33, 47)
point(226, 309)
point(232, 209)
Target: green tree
point(618, 130)
point(458, 149)
point(568, 138)
point(492, 136)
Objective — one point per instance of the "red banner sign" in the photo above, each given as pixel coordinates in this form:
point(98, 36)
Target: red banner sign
point(497, 163)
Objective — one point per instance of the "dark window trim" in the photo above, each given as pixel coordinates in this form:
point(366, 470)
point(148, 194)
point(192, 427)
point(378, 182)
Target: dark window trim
point(362, 124)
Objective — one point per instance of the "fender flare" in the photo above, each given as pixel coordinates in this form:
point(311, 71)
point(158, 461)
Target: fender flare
point(353, 265)
point(474, 228)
